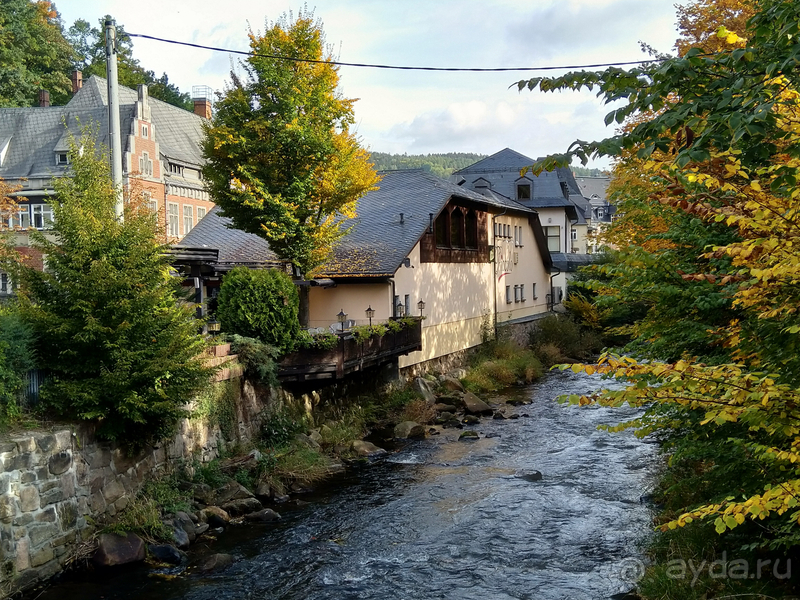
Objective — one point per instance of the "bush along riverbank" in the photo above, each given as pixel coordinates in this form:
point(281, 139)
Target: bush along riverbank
point(295, 452)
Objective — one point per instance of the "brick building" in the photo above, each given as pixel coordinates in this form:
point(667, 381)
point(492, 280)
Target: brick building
point(160, 145)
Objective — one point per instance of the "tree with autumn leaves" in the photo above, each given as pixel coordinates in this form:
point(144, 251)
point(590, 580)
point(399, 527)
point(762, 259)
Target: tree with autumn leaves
point(281, 161)
point(709, 160)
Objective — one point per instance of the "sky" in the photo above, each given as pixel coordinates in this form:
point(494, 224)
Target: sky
point(418, 112)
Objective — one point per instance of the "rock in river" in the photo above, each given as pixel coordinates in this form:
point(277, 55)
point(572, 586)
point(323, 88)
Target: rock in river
point(409, 430)
point(367, 449)
point(468, 435)
point(115, 549)
point(529, 475)
point(476, 406)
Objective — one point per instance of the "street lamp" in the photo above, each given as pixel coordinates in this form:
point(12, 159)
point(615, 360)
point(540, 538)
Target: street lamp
point(370, 313)
point(399, 309)
point(342, 316)
point(421, 307)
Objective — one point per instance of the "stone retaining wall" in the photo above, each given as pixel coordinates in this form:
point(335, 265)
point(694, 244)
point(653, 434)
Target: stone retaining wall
point(55, 485)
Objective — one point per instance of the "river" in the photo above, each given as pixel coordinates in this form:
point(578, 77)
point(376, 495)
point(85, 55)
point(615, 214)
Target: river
point(441, 518)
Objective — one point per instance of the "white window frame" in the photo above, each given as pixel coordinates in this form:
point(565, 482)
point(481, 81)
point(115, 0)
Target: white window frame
point(188, 218)
point(146, 164)
point(145, 131)
point(173, 219)
point(574, 233)
point(62, 158)
point(508, 294)
point(42, 216)
point(200, 214)
point(549, 234)
point(517, 295)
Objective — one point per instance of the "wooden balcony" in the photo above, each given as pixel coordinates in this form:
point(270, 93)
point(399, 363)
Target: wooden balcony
point(349, 356)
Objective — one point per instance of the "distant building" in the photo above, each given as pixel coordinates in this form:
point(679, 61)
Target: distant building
point(161, 156)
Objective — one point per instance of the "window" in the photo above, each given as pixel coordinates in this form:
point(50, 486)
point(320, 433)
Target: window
point(516, 293)
point(533, 290)
point(42, 216)
point(553, 233)
point(600, 213)
point(408, 304)
point(508, 294)
point(21, 220)
point(523, 191)
point(62, 158)
point(471, 227)
point(520, 237)
point(457, 229)
point(188, 218)
point(397, 304)
point(574, 234)
point(441, 231)
point(522, 292)
point(145, 164)
point(145, 131)
point(172, 220)
point(5, 288)
point(201, 212)
point(517, 232)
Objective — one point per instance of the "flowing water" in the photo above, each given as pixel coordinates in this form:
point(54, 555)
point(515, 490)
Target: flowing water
point(445, 519)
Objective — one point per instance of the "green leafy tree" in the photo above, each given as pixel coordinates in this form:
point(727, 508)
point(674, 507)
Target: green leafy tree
point(34, 54)
point(280, 159)
point(720, 147)
point(260, 304)
point(122, 350)
point(90, 58)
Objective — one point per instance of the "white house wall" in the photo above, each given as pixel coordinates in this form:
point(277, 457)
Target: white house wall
point(519, 270)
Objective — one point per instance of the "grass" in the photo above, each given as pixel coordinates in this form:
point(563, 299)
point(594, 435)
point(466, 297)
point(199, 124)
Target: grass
point(158, 496)
point(500, 364)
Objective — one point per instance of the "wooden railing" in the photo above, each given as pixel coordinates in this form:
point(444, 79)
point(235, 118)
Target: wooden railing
point(349, 355)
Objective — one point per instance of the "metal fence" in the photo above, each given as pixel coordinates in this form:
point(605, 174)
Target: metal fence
point(33, 382)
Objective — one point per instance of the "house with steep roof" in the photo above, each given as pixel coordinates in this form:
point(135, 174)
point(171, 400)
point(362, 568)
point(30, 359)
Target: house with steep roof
point(472, 259)
point(161, 155)
point(564, 213)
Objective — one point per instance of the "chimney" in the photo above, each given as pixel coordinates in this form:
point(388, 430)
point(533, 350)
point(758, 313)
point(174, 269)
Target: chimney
point(77, 81)
point(201, 96)
point(44, 98)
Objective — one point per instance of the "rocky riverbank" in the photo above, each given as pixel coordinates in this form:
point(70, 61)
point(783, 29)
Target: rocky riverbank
point(212, 509)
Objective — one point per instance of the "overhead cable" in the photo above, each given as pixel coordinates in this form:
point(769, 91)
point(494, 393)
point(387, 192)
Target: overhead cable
point(395, 67)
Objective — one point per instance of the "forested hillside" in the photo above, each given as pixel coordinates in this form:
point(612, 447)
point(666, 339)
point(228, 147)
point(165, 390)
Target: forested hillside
point(444, 164)
point(438, 164)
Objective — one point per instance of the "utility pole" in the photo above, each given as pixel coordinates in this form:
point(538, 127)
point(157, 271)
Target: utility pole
point(114, 133)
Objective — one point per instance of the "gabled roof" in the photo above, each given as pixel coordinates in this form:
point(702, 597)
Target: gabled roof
point(502, 161)
point(234, 245)
point(37, 133)
point(380, 239)
point(594, 186)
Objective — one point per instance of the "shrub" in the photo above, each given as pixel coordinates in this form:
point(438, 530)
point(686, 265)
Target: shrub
point(565, 334)
point(261, 304)
point(16, 359)
point(122, 351)
point(317, 341)
point(257, 358)
point(280, 428)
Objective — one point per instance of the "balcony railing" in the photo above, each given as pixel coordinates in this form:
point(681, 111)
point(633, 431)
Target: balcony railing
point(349, 355)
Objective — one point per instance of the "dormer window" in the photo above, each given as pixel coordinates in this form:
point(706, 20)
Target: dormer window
point(62, 158)
point(523, 191)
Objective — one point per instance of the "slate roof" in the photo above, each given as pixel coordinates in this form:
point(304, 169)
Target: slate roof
point(37, 133)
point(590, 186)
point(234, 245)
point(378, 241)
point(503, 168)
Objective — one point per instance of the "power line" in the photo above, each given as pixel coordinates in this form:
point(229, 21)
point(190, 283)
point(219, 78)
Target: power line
point(395, 67)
